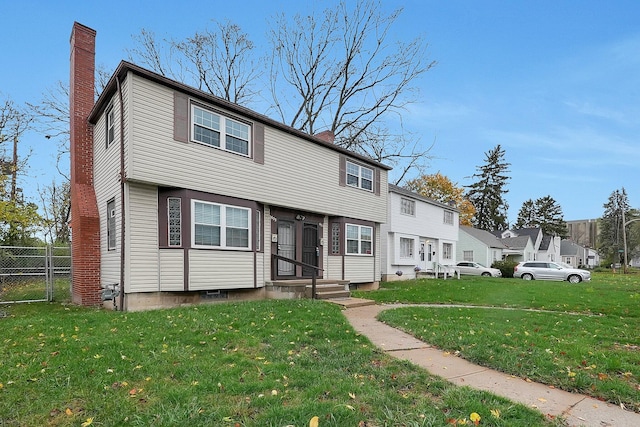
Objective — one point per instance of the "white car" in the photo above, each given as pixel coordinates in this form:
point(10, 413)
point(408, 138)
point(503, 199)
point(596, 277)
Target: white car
point(475, 269)
point(540, 270)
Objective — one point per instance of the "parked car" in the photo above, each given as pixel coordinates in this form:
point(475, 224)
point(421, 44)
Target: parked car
point(475, 269)
point(539, 270)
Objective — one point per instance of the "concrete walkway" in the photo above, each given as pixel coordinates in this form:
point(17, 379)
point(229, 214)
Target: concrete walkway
point(576, 409)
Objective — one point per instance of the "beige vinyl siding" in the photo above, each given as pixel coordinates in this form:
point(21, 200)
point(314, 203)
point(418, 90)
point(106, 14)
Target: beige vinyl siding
point(209, 269)
point(359, 269)
point(333, 268)
point(171, 270)
point(298, 174)
point(107, 186)
point(142, 239)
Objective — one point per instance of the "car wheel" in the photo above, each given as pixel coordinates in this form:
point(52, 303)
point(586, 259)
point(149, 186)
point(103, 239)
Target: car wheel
point(574, 278)
point(527, 277)
point(486, 274)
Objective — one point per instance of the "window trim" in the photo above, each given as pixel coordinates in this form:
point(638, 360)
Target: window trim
point(222, 131)
point(360, 240)
point(465, 256)
point(223, 227)
point(359, 177)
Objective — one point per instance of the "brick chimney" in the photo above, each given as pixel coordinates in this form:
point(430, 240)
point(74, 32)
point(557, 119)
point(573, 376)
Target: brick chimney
point(326, 136)
point(85, 218)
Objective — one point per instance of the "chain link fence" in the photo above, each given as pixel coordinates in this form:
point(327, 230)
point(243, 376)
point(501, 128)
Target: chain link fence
point(30, 274)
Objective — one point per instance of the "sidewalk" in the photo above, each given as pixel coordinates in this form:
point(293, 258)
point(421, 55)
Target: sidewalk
point(576, 409)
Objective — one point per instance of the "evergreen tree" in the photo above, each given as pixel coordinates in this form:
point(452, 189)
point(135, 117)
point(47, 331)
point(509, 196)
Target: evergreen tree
point(544, 213)
point(610, 238)
point(487, 193)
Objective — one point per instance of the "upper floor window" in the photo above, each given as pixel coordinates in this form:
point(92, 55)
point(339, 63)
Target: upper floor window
point(359, 176)
point(220, 226)
point(219, 131)
point(407, 206)
point(111, 127)
point(448, 217)
point(111, 225)
point(359, 239)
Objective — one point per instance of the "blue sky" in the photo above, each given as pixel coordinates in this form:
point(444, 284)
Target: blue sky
point(556, 83)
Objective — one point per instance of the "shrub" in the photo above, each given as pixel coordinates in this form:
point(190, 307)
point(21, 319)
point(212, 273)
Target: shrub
point(506, 267)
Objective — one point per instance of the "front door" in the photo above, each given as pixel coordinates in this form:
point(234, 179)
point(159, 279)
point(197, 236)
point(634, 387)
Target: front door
point(286, 247)
point(310, 249)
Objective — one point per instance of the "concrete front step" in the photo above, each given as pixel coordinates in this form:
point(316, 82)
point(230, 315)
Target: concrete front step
point(327, 291)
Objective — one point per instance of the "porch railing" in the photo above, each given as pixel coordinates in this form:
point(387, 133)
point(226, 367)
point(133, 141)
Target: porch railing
point(314, 269)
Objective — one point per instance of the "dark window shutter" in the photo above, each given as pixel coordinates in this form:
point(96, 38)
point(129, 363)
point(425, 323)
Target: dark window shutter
point(180, 117)
point(376, 184)
point(258, 143)
point(343, 171)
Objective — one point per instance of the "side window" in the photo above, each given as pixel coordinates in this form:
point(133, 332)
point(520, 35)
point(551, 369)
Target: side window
point(220, 226)
point(174, 207)
point(359, 239)
point(111, 225)
point(111, 127)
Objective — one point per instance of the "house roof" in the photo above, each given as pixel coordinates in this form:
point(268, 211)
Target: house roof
point(484, 236)
point(569, 248)
point(546, 240)
point(414, 195)
point(519, 242)
point(125, 67)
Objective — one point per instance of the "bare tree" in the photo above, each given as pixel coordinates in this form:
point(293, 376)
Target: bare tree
point(219, 62)
point(56, 208)
point(340, 72)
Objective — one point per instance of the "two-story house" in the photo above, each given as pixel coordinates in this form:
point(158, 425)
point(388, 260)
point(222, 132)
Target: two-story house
point(420, 235)
point(178, 194)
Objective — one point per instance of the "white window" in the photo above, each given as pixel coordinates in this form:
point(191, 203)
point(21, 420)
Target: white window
point(407, 206)
point(219, 131)
point(111, 225)
point(359, 176)
point(174, 207)
point(447, 251)
point(448, 217)
point(220, 226)
point(359, 239)
point(406, 247)
point(111, 132)
point(467, 256)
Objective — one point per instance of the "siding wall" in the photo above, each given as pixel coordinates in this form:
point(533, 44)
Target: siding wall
point(300, 174)
point(171, 270)
point(142, 253)
point(211, 269)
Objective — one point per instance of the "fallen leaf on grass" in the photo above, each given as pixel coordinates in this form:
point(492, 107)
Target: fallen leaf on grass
point(313, 422)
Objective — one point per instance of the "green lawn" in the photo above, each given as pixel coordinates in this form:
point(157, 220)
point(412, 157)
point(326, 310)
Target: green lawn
point(262, 363)
point(583, 338)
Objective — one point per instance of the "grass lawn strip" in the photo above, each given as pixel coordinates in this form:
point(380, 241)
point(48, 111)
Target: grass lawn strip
point(263, 363)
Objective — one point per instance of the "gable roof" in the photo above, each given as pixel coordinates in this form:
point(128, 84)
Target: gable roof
point(125, 67)
point(569, 248)
point(546, 240)
point(483, 236)
point(519, 242)
point(414, 195)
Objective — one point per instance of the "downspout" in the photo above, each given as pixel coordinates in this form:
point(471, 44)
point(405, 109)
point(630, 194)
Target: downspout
point(123, 180)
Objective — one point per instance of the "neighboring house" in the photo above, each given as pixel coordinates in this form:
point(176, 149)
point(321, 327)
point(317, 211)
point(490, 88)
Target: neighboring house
point(519, 248)
point(179, 195)
point(475, 245)
point(420, 232)
point(578, 256)
point(549, 249)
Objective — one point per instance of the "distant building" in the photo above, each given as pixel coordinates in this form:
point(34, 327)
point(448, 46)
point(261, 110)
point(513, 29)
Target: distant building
point(584, 232)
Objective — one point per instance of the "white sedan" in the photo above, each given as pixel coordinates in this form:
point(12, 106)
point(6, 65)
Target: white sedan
point(475, 269)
